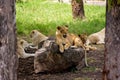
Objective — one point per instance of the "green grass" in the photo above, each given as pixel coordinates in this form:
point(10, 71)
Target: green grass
point(45, 16)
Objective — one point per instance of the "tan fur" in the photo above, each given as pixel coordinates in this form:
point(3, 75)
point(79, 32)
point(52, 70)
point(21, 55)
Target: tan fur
point(64, 39)
point(21, 44)
point(97, 38)
point(37, 37)
point(60, 40)
point(84, 39)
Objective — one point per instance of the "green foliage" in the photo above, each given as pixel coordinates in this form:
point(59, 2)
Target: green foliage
point(77, 1)
point(89, 69)
point(118, 2)
point(84, 78)
point(22, 1)
point(110, 4)
point(45, 16)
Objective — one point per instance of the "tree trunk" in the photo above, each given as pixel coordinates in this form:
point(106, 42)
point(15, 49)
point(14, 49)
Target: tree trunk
point(77, 9)
point(112, 46)
point(8, 58)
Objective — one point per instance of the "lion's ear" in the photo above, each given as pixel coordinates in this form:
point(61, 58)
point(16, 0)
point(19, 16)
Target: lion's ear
point(79, 35)
point(21, 42)
point(66, 26)
point(33, 32)
point(58, 27)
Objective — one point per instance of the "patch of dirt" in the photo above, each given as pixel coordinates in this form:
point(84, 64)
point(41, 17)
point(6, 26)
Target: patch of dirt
point(93, 72)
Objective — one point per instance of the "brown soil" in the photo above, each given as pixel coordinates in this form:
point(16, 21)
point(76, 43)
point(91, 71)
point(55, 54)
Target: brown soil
point(93, 72)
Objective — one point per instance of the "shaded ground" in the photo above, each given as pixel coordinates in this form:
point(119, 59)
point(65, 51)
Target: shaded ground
point(93, 72)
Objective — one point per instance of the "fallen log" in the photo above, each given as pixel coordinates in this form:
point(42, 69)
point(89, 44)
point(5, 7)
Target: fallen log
point(50, 59)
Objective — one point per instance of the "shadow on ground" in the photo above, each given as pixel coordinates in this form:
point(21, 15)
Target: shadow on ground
point(93, 72)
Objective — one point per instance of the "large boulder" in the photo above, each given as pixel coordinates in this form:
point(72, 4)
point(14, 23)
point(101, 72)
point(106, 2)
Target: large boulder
point(50, 59)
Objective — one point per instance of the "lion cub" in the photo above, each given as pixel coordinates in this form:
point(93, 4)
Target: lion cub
point(64, 39)
point(37, 37)
point(96, 38)
point(84, 39)
point(21, 44)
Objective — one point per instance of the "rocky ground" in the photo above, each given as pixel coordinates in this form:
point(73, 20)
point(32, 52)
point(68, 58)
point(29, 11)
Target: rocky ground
point(93, 72)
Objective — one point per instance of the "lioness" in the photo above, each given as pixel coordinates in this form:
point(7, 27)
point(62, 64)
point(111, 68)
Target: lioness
point(21, 44)
point(65, 39)
point(37, 37)
point(96, 38)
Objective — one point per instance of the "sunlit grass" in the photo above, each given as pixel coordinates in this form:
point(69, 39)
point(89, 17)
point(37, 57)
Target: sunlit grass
point(45, 16)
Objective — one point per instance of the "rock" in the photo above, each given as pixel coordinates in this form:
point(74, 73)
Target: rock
point(50, 59)
point(30, 50)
